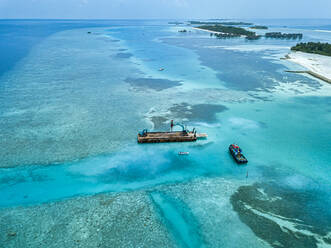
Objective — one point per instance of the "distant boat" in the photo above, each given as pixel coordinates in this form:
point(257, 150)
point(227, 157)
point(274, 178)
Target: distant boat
point(237, 155)
point(183, 153)
point(161, 69)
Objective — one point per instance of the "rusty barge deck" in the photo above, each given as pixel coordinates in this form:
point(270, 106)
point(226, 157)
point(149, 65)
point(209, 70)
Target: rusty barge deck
point(162, 137)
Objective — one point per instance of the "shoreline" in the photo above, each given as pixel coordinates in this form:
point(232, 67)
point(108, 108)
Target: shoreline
point(213, 32)
point(312, 74)
point(316, 65)
point(209, 31)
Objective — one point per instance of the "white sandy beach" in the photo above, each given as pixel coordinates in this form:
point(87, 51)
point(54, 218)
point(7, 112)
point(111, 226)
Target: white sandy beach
point(315, 63)
point(321, 30)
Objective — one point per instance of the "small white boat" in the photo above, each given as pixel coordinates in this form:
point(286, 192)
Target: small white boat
point(183, 153)
point(161, 69)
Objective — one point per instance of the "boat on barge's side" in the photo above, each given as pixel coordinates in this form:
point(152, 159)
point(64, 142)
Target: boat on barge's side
point(236, 153)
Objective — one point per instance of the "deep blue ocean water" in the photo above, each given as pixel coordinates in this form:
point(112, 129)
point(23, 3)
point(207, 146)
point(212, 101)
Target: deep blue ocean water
point(74, 94)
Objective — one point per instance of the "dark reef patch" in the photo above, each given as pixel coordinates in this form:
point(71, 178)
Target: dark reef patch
point(188, 113)
point(282, 216)
point(123, 55)
point(160, 122)
point(262, 98)
point(198, 112)
point(152, 83)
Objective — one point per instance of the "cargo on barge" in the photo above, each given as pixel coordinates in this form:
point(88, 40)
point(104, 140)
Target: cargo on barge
point(172, 136)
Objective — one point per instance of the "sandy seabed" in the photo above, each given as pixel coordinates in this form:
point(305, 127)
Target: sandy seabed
point(315, 63)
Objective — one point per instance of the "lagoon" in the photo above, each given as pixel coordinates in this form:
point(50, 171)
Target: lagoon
point(73, 102)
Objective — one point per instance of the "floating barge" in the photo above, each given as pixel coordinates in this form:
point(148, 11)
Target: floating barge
point(172, 136)
point(163, 137)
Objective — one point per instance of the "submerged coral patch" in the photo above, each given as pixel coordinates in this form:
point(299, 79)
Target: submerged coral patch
point(198, 112)
point(157, 84)
point(160, 122)
point(123, 55)
point(121, 220)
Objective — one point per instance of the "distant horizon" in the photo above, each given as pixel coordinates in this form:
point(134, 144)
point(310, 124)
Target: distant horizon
point(163, 9)
point(182, 19)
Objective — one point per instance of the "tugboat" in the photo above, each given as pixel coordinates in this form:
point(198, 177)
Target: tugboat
point(237, 155)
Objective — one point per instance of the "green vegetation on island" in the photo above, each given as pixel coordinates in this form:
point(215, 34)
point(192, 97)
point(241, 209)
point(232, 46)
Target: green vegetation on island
point(279, 35)
point(313, 47)
point(253, 37)
point(224, 32)
point(227, 30)
point(221, 23)
point(259, 27)
point(224, 35)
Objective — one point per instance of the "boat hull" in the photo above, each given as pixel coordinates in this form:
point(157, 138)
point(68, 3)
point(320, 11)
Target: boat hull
point(239, 158)
point(162, 137)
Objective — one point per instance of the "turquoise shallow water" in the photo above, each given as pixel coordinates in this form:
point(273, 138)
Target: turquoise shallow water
point(71, 108)
point(136, 167)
